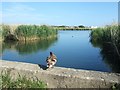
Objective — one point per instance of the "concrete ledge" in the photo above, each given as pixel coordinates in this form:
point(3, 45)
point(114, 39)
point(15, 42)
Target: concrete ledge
point(59, 77)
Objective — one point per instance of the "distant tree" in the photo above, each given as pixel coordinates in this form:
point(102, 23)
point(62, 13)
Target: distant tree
point(81, 26)
point(62, 26)
point(75, 27)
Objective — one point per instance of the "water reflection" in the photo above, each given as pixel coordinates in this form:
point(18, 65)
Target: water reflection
point(28, 47)
point(109, 55)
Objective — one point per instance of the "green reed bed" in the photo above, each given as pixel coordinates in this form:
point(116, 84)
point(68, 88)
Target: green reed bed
point(20, 82)
point(4, 31)
point(28, 32)
point(109, 34)
point(34, 32)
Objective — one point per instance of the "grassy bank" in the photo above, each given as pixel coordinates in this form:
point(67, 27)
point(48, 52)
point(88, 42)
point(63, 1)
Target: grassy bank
point(109, 34)
point(27, 32)
point(20, 82)
point(108, 40)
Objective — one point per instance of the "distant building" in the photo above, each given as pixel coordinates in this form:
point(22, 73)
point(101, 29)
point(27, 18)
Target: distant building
point(93, 27)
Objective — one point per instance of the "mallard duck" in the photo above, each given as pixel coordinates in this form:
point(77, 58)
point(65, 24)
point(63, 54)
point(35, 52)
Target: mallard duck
point(51, 60)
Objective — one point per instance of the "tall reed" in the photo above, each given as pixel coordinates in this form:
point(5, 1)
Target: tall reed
point(28, 32)
point(34, 32)
point(5, 30)
point(109, 34)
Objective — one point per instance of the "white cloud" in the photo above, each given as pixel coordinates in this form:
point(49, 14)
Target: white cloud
point(17, 12)
point(26, 18)
point(18, 8)
point(21, 16)
point(21, 13)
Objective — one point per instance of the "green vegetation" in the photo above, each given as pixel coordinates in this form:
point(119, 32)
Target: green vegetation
point(108, 40)
point(0, 32)
point(108, 34)
point(20, 82)
point(27, 32)
point(34, 32)
point(116, 87)
point(5, 30)
point(81, 27)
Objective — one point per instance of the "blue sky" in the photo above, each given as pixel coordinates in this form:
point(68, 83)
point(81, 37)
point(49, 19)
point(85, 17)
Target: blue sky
point(60, 13)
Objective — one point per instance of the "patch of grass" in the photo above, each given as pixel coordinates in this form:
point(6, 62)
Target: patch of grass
point(20, 82)
point(116, 87)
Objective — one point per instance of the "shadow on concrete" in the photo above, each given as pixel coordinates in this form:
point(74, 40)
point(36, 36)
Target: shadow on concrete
point(43, 67)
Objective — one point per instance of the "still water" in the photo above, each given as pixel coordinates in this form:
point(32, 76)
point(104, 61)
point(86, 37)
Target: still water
point(72, 48)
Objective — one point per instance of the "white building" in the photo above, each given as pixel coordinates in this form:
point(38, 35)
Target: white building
point(94, 26)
